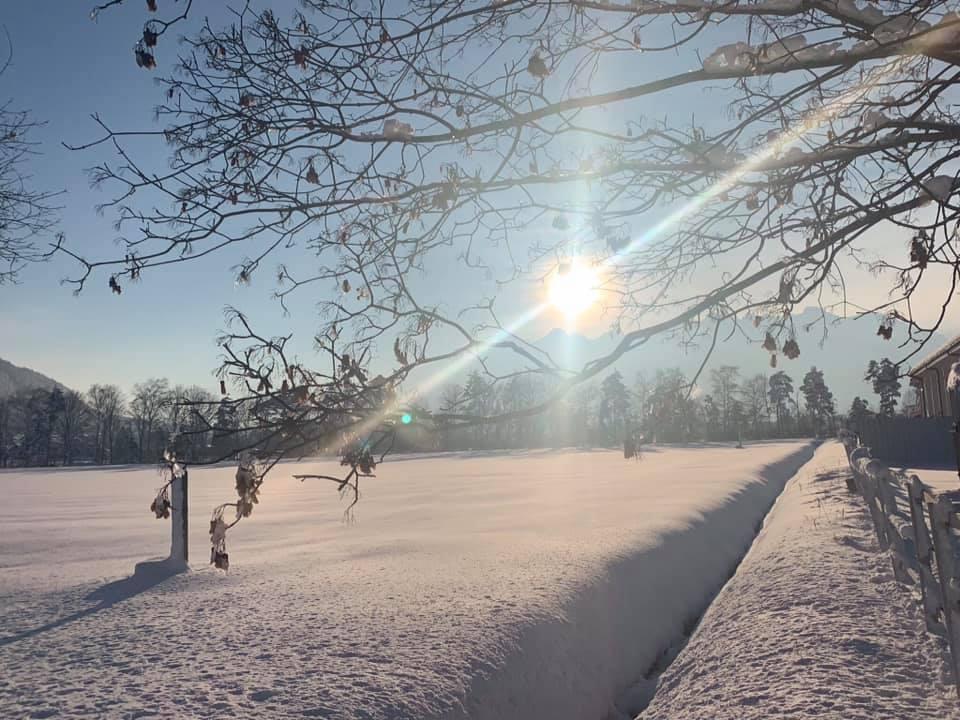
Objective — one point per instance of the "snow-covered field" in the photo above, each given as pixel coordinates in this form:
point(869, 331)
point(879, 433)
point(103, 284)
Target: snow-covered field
point(524, 585)
point(813, 625)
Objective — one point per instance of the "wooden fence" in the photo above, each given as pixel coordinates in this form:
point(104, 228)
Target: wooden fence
point(909, 442)
point(922, 539)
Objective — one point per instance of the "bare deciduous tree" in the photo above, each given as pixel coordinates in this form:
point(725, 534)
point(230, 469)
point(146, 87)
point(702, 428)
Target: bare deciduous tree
point(724, 382)
point(756, 402)
point(158, 23)
point(191, 417)
point(150, 401)
point(503, 140)
point(25, 212)
point(71, 421)
point(106, 403)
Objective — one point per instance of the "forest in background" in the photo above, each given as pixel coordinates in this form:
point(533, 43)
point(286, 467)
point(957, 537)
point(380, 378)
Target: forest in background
point(105, 425)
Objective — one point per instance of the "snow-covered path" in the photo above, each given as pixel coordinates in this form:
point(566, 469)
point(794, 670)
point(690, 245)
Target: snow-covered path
point(507, 586)
point(813, 625)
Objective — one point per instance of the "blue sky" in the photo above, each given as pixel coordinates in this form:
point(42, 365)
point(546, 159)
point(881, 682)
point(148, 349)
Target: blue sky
point(65, 68)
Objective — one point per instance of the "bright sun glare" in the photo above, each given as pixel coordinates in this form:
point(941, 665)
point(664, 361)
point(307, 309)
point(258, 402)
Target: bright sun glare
point(573, 288)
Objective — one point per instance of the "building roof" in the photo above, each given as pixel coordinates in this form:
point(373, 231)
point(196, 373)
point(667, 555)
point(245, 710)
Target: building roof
point(948, 348)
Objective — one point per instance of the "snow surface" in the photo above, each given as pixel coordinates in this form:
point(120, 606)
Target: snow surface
point(812, 625)
point(524, 585)
point(937, 479)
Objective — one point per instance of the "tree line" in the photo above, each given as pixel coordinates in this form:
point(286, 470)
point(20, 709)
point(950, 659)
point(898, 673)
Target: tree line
point(104, 425)
point(40, 427)
point(664, 407)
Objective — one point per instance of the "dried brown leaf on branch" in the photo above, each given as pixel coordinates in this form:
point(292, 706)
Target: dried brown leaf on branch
point(537, 67)
point(812, 134)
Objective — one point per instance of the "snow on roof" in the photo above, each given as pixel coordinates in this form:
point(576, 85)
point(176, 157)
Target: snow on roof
point(943, 351)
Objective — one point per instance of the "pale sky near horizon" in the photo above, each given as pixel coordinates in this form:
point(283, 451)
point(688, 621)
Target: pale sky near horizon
point(65, 68)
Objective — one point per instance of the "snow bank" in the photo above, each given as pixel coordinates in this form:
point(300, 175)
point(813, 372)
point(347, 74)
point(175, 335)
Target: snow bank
point(812, 625)
point(500, 586)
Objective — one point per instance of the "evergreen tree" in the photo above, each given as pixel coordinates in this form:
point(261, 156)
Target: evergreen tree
point(614, 407)
point(670, 412)
point(225, 429)
point(125, 447)
point(859, 411)
point(6, 426)
point(781, 394)
point(818, 399)
point(33, 447)
point(886, 384)
point(54, 409)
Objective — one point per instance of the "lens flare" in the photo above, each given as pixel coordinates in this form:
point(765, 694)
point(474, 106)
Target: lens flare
point(562, 292)
point(573, 288)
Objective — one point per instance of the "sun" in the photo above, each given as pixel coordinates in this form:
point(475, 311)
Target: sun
point(573, 288)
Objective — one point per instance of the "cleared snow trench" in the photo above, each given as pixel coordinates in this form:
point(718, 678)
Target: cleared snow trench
point(514, 585)
point(813, 623)
point(615, 637)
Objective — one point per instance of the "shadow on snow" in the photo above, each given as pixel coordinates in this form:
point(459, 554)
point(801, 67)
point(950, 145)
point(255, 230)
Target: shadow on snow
point(146, 575)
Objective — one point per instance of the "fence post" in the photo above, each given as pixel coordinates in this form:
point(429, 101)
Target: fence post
point(929, 591)
point(871, 492)
point(851, 481)
point(944, 548)
point(900, 559)
point(876, 483)
point(179, 540)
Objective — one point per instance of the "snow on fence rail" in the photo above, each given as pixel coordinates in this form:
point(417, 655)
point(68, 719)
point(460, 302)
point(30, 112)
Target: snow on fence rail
point(931, 552)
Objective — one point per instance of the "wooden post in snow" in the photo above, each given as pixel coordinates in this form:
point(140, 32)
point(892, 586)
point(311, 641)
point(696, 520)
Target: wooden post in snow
point(929, 587)
point(870, 489)
point(942, 514)
point(901, 560)
point(179, 545)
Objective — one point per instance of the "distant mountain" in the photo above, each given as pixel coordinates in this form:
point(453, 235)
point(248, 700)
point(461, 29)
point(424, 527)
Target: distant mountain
point(848, 347)
point(14, 378)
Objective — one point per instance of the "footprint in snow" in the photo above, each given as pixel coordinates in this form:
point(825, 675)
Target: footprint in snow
point(262, 695)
